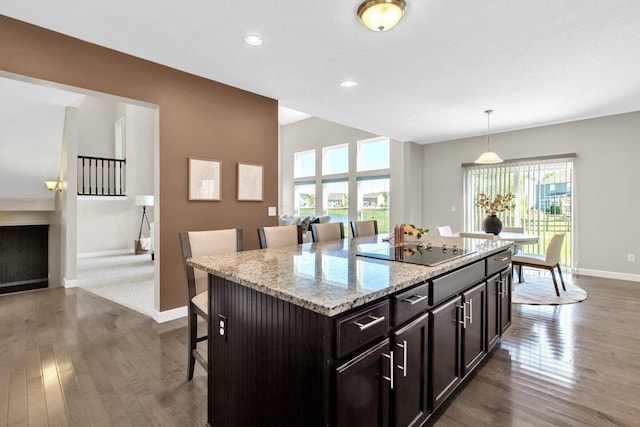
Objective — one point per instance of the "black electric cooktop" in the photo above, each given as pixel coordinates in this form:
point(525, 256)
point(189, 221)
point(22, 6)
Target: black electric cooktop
point(412, 253)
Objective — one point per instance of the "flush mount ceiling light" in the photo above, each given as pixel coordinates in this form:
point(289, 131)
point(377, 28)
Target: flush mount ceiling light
point(253, 40)
point(381, 15)
point(488, 157)
point(349, 83)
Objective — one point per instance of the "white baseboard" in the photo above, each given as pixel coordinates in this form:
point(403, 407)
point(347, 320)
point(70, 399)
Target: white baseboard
point(167, 315)
point(105, 253)
point(70, 283)
point(608, 274)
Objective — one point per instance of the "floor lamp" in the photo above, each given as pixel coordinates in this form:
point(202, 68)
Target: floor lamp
point(144, 201)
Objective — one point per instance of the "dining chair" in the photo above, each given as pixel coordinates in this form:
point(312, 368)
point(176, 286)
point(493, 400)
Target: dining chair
point(327, 231)
point(549, 261)
point(195, 244)
point(279, 236)
point(364, 228)
point(477, 235)
point(513, 229)
point(444, 230)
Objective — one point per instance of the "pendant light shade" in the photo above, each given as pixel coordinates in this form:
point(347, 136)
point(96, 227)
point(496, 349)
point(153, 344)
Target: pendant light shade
point(381, 15)
point(488, 157)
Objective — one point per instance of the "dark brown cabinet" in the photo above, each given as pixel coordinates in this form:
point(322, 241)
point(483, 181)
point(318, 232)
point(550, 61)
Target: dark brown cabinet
point(494, 289)
point(445, 360)
point(506, 284)
point(498, 306)
point(411, 370)
point(390, 362)
point(362, 388)
point(473, 327)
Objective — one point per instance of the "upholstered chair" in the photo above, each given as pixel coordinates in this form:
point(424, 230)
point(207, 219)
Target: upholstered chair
point(195, 244)
point(279, 236)
point(549, 261)
point(364, 228)
point(444, 230)
point(328, 231)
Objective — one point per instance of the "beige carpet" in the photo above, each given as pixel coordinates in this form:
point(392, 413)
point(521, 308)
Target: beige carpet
point(124, 279)
point(539, 290)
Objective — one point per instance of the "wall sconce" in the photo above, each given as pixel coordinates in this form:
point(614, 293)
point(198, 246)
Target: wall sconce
point(53, 185)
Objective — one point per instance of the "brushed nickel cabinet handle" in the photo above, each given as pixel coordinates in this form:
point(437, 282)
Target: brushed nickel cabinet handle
point(390, 377)
point(463, 322)
point(404, 347)
point(418, 298)
point(365, 326)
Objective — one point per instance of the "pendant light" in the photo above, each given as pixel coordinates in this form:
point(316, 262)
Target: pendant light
point(381, 15)
point(488, 157)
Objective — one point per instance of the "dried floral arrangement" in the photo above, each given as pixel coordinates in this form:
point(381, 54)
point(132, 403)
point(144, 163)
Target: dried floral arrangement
point(497, 204)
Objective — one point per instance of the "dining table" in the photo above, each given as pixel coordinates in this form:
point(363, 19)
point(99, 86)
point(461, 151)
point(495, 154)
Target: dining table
point(518, 239)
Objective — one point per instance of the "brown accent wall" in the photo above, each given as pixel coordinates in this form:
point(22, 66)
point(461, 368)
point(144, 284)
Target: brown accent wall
point(198, 118)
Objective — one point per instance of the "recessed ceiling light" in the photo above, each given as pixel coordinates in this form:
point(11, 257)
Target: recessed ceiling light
point(253, 40)
point(349, 83)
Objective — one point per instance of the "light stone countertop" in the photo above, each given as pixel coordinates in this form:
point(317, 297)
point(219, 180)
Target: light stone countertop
point(328, 277)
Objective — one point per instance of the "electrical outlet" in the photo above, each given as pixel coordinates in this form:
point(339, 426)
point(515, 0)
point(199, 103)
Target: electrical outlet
point(631, 257)
point(272, 211)
point(222, 326)
point(453, 208)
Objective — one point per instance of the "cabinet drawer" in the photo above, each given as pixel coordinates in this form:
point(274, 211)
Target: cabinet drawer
point(409, 304)
point(451, 284)
point(361, 328)
point(497, 262)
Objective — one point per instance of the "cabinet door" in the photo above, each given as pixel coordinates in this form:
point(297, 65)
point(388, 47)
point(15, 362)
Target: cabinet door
point(445, 350)
point(505, 300)
point(473, 332)
point(493, 311)
point(362, 392)
point(411, 357)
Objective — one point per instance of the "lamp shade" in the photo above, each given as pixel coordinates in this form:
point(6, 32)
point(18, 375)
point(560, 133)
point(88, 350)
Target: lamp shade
point(381, 15)
point(488, 158)
point(53, 185)
point(144, 200)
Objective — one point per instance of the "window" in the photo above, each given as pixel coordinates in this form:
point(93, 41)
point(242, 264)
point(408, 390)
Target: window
point(335, 159)
point(373, 154)
point(335, 200)
point(305, 198)
point(373, 201)
point(304, 164)
point(544, 201)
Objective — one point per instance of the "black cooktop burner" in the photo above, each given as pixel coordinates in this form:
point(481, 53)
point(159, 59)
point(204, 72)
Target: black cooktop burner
point(412, 253)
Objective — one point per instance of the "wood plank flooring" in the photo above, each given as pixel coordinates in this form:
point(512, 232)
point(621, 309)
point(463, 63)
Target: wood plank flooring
point(68, 357)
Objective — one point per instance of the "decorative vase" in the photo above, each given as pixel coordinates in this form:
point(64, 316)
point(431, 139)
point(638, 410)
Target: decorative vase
point(492, 224)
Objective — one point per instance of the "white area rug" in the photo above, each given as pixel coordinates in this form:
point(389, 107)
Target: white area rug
point(124, 279)
point(538, 289)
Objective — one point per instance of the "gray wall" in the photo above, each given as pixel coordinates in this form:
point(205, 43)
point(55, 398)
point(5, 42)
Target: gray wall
point(112, 224)
point(605, 190)
point(315, 133)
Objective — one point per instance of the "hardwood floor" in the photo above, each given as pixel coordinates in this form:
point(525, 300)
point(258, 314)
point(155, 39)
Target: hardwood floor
point(568, 365)
point(68, 357)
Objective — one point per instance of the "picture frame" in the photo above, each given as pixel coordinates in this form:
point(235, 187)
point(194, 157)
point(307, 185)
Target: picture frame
point(250, 182)
point(204, 179)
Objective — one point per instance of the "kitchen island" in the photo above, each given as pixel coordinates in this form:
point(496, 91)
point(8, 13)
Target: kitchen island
point(316, 334)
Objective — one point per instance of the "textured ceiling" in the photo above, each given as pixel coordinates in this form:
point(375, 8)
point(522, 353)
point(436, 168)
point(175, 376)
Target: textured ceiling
point(429, 79)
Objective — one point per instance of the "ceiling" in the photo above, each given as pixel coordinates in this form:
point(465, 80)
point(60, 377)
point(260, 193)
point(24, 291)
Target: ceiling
point(31, 129)
point(429, 79)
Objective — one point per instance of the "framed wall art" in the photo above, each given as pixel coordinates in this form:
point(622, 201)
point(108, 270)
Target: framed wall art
point(204, 179)
point(250, 182)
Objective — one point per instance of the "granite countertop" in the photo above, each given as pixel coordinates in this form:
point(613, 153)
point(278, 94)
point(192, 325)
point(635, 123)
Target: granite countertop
point(328, 277)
